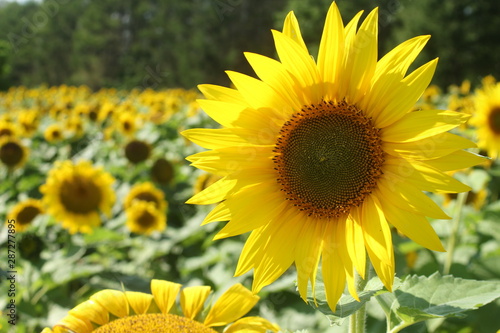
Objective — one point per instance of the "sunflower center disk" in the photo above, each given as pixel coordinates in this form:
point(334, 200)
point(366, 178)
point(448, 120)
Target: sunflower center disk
point(27, 215)
point(11, 153)
point(146, 219)
point(328, 157)
point(80, 195)
point(494, 120)
point(154, 323)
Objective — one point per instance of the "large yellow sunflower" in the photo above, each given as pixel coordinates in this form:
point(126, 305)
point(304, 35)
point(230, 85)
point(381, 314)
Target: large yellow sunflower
point(318, 157)
point(116, 311)
point(487, 119)
point(75, 194)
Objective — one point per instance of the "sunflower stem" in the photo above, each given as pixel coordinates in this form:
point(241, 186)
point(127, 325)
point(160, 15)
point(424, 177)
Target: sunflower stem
point(357, 321)
point(452, 240)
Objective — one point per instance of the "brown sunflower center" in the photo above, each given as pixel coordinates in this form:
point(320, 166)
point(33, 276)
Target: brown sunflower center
point(11, 153)
point(148, 197)
point(162, 171)
point(6, 132)
point(146, 219)
point(494, 120)
point(80, 195)
point(27, 214)
point(154, 323)
point(137, 151)
point(328, 157)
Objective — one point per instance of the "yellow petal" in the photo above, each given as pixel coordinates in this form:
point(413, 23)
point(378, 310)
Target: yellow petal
point(355, 241)
point(302, 67)
point(138, 301)
point(222, 94)
point(252, 249)
point(257, 93)
point(244, 216)
point(252, 325)
point(389, 73)
point(291, 29)
point(219, 213)
point(422, 176)
point(407, 197)
point(433, 147)
point(398, 101)
point(333, 277)
point(362, 58)
point(192, 300)
point(231, 306)
point(73, 324)
point(273, 260)
point(345, 258)
point(419, 125)
point(414, 226)
point(307, 254)
point(234, 160)
point(378, 240)
point(214, 138)
point(91, 310)
point(331, 52)
point(114, 301)
point(224, 113)
point(215, 193)
point(165, 293)
point(456, 161)
point(349, 38)
point(276, 76)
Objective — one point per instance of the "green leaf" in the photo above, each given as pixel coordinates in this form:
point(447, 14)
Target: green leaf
point(347, 305)
point(420, 298)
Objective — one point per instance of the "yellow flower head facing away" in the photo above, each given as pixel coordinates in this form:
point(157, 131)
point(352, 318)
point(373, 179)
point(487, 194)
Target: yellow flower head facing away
point(117, 311)
point(320, 157)
point(76, 194)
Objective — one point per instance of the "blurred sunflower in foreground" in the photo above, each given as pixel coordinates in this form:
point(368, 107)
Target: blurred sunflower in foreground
point(75, 195)
point(318, 157)
point(116, 311)
point(487, 119)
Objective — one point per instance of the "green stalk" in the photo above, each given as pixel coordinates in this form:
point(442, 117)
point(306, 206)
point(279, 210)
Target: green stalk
point(452, 240)
point(357, 321)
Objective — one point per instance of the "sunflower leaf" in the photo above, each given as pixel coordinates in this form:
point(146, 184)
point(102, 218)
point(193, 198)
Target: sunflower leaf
point(420, 298)
point(347, 305)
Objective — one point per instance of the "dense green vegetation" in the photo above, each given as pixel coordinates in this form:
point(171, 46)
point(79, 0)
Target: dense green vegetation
point(166, 43)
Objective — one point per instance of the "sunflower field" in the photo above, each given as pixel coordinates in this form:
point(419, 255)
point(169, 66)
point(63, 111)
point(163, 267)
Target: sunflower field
point(215, 210)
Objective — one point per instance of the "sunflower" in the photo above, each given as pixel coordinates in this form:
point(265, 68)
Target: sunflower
point(53, 133)
point(162, 171)
point(318, 157)
point(137, 151)
point(116, 311)
point(146, 192)
point(24, 212)
point(487, 119)
point(75, 194)
point(127, 123)
point(144, 218)
point(13, 153)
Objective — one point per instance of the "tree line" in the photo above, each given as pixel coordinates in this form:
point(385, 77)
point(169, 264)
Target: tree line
point(167, 43)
